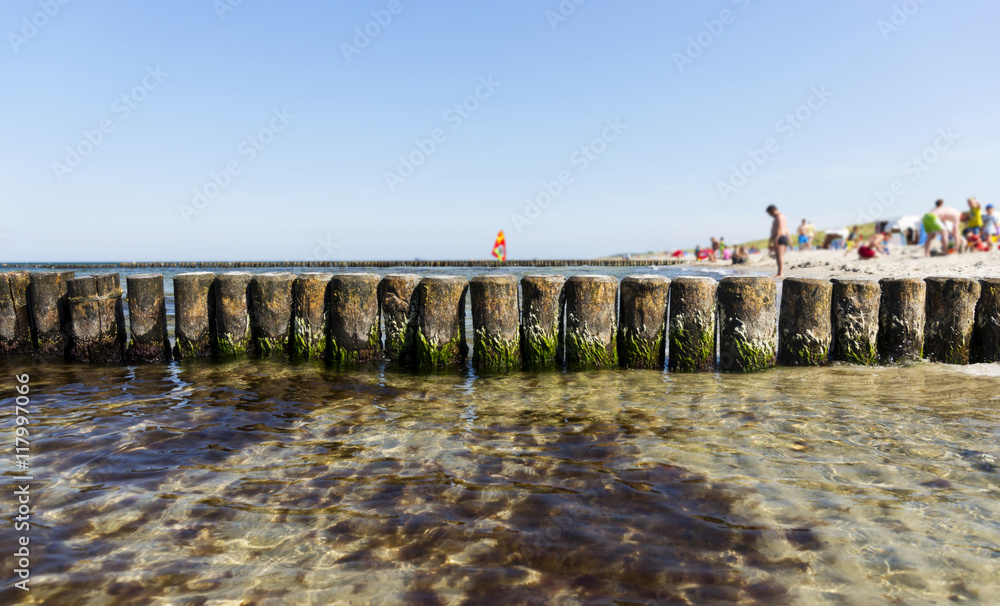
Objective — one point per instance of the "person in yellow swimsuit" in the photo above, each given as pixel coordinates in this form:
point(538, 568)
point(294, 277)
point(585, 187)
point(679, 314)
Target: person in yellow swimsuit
point(975, 223)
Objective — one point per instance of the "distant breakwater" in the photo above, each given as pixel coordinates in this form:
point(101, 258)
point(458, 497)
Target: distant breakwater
point(687, 324)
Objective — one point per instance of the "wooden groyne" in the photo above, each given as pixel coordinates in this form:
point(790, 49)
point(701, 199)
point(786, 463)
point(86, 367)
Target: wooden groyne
point(584, 322)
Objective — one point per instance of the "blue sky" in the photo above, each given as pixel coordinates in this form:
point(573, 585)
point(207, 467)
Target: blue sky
point(219, 129)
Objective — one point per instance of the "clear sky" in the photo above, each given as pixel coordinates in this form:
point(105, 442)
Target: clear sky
point(252, 130)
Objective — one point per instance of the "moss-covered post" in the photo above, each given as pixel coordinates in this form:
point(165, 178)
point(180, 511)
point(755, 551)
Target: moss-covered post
point(354, 329)
point(591, 322)
point(691, 329)
point(855, 322)
point(496, 334)
point(309, 318)
point(394, 294)
point(986, 336)
point(49, 312)
point(435, 336)
point(15, 314)
point(147, 319)
point(748, 323)
point(194, 315)
point(271, 313)
point(232, 318)
point(95, 335)
point(543, 299)
point(804, 325)
point(951, 316)
point(901, 319)
point(642, 325)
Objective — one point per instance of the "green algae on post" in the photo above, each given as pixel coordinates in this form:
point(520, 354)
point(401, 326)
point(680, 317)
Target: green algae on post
point(543, 299)
point(691, 327)
point(855, 312)
point(310, 293)
point(643, 322)
point(591, 322)
point(902, 310)
point(234, 337)
point(951, 316)
point(354, 331)
point(747, 323)
point(194, 315)
point(986, 336)
point(271, 313)
point(395, 292)
point(435, 335)
point(805, 330)
point(147, 316)
point(495, 323)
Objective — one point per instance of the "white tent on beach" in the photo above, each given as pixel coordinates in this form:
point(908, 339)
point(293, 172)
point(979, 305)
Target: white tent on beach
point(901, 224)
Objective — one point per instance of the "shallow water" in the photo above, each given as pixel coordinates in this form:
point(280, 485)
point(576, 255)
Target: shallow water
point(258, 482)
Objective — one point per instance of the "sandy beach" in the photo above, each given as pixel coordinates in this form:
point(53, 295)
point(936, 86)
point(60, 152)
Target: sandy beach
point(903, 262)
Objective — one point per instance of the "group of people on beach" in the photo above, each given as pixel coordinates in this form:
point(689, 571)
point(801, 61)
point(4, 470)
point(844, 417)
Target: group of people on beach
point(943, 221)
point(982, 226)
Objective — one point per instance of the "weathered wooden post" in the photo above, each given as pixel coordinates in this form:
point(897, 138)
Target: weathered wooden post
point(855, 321)
point(394, 294)
point(543, 299)
point(805, 329)
point(496, 335)
point(49, 312)
point(642, 323)
point(691, 329)
point(435, 335)
point(95, 330)
point(147, 318)
point(194, 315)
point(309, 316)
point(353, 318)
point(271, 313)
point(748, 323)
point(591, 321)
point(232, 316)
point(15, 313)
point(901, 319)
point(951, 316)
point(986, 336)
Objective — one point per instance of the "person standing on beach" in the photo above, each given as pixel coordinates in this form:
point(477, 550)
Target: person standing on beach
point(778, 241)
point(990, 224)
point(975, 222)
point(934, 224)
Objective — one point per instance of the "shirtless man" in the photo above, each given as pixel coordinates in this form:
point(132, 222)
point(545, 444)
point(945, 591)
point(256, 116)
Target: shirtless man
point(779, 238)
point(936, 222)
